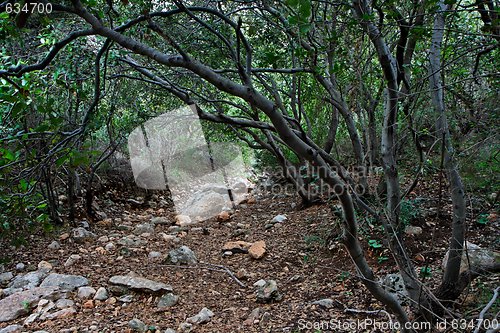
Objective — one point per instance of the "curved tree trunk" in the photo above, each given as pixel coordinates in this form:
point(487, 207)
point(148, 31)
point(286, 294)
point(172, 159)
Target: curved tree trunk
point(394, 228)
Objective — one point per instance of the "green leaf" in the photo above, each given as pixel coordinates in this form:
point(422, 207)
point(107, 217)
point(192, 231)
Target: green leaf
point(305, 9)
point(292, 3)
point(23, 185)
point(304, 28)
point(426, 272)
point(8, 155)
point(293, 20)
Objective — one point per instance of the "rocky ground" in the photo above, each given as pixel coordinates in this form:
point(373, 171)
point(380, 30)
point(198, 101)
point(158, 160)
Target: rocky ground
point(266, 267)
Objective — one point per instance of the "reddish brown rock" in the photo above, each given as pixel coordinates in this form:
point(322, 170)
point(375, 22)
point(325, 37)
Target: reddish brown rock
point(223, 217)
point(257, 250)
point(237, 247)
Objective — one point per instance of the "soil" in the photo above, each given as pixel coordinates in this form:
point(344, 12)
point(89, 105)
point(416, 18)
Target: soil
point(303, 256)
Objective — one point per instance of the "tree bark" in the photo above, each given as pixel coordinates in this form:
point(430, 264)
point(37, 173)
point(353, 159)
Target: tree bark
point(448, 288)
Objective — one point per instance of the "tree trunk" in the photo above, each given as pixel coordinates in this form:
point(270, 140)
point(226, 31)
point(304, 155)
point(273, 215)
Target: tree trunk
point(394, 228)
point(448, 288)
point(332, 131)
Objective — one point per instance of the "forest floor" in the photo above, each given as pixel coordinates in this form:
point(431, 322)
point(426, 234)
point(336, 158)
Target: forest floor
point(299, 257)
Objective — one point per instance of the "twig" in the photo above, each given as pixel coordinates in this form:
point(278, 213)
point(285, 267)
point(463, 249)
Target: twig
point(370, 312)
point(212, 267)
point(228, 271)
point(486, 308)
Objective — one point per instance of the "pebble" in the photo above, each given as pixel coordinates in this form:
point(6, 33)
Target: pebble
point(86, 292)
point(137, 325)
point(54, 245)
point(72, 260)
point(101, 294)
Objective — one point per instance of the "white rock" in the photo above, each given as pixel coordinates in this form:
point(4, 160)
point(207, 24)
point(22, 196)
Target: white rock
point(261, 283)
point(110, 247)
point(154, 255)
point(72, 260)
point(202, 317)
point(54, 245)
point(11, 329)
point(279, 219)
point(101, 294)
point(475, 256)
point(86, 292)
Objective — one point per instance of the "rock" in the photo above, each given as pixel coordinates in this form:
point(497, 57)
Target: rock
point(260, 284)
point(126, 298)
point(21, 303)
point(103, 239)
point(160, 220)
point(168, 238)
point(29, 280)
point(64, 303)
point(154, 255)
point(124, 227)
point(169, 330)
point(223, 217)
point(227, 253)
point(137, 325)
point(185, 328)
point(181, 256)
point(183, 220)
point(279, 219)
point(475, 256)
point(10, 291)
point(168, 300)
point(413, 230)
point(266, 317)
point(85, 224)
point(239, 233)
point(394, 284)
point(254, 317)
point(140, 284)
point(72, 260)
point(89, 304)
point(201, 318)
point(110, 247)
point(12, 329)
point(54, 245)
point(237, 247)
point(131, 241)
point(44, 266)
point(81, 235)
point(20, 267)
point(100, 250)
point(144, 228)
point(268, 292)
point(64, 313)
point(325, 303)
point(64, 236)
point(101, 294)
point(86, 292)
point(64, 282)
point(257, 250)
point(6, 277)
point(206, 203)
